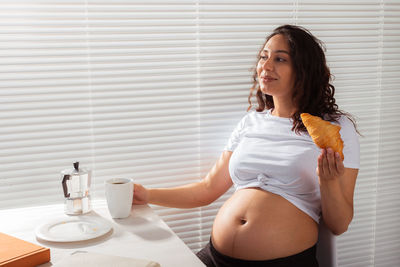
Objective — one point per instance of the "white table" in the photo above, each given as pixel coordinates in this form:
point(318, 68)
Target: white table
point(142, 235)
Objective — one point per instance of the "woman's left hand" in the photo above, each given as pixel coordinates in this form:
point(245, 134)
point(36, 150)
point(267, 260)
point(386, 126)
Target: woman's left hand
point(330, 165)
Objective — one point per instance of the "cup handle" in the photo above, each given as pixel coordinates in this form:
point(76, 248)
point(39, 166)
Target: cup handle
point(64, 185)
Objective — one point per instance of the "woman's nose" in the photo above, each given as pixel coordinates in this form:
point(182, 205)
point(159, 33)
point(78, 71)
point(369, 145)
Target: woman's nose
point(268, 64)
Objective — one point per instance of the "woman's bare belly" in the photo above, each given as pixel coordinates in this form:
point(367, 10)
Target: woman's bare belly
point(257, 225)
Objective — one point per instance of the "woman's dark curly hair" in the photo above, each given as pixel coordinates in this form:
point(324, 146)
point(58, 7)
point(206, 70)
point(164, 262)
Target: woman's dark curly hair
point(313, 92)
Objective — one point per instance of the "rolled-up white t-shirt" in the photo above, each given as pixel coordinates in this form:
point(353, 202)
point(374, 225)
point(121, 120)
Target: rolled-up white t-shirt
point(267, 154)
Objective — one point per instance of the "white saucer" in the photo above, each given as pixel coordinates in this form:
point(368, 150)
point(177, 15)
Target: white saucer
point(70, 229)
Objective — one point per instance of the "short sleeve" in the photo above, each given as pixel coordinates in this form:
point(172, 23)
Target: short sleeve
point(236, 135)
point(351, 146)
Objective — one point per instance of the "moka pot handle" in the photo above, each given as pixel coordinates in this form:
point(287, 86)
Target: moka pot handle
point(64, 185)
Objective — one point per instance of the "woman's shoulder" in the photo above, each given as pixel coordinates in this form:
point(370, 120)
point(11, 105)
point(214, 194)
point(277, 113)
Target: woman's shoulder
point(348, 129)
point(254, 114)
point(257, 114)
point(342, 120)
point(250, 118)
point(345, 122)
point(350, 137)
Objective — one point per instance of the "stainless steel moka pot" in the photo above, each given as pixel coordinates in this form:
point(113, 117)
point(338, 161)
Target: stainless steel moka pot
point(76, 185)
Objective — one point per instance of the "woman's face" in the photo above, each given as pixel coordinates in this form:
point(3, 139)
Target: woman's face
point(274, 69)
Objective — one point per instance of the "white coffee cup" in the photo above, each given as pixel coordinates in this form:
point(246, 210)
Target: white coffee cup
point(119, 195)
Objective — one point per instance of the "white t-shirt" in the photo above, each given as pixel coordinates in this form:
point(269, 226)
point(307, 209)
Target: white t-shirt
point(267, 154)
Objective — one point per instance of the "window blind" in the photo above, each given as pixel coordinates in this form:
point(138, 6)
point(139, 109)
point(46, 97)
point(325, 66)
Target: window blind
point(387, 232)
point(152, 90)
point(45, 106)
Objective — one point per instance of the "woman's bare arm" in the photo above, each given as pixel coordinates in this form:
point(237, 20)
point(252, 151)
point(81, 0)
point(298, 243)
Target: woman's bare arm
point(201, 193)
point(337, 185)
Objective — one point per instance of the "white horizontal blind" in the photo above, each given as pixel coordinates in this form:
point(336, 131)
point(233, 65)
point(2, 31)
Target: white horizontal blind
point(387, 231)
point(45, 108)
point(152, 90)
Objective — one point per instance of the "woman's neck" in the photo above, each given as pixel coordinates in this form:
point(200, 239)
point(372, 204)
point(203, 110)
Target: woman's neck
point(283, 111)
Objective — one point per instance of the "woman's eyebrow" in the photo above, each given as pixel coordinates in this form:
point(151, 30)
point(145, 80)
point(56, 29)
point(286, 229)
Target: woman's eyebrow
point(277, 51)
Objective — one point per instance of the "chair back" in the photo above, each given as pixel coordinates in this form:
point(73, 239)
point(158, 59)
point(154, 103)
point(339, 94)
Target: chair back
point(326, 246)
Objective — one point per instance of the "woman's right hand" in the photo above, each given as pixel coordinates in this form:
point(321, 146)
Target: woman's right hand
point(140, 195)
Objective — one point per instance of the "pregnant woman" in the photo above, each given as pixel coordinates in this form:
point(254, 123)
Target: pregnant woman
point(285, 184)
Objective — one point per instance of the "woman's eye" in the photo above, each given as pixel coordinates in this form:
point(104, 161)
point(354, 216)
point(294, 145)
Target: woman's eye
point(277, 59)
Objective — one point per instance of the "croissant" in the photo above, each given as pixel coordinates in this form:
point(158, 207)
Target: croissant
point(323, 133)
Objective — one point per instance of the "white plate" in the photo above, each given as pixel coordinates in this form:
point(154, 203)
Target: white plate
point(70, 229)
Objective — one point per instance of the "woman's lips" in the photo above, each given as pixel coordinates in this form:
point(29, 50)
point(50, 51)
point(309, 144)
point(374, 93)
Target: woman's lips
point(268, 79)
